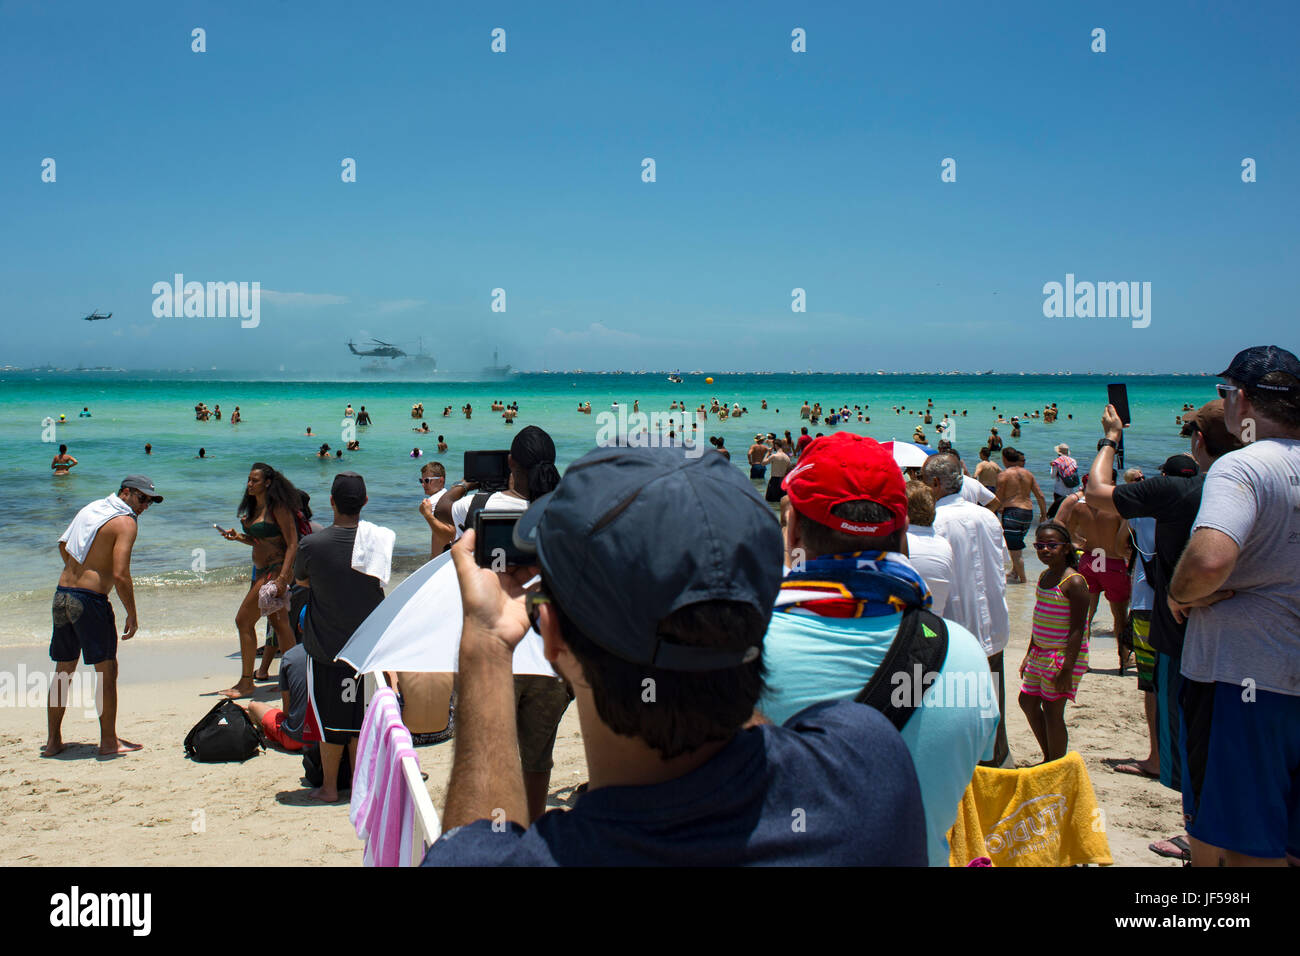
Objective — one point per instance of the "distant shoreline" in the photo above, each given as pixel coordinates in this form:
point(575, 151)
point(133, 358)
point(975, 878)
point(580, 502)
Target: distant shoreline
point(170, 375)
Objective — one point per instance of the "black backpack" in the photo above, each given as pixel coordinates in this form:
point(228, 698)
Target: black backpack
point(922, 639)
point(224, 734)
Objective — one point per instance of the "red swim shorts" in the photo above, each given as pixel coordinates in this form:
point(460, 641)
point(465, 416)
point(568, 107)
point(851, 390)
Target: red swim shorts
point(271, 721)
point(1106, 574)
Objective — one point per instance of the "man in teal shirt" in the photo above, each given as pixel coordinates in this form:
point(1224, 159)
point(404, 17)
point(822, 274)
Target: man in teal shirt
point(839, 611)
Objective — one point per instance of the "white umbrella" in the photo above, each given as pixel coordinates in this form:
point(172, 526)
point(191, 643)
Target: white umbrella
point(907, 454)
point(417, 628)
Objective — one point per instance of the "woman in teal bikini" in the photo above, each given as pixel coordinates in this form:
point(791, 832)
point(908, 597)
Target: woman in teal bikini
point(267, 514)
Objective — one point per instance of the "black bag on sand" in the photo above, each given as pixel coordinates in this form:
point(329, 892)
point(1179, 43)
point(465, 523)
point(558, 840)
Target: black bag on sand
point(315, 773)
point(224, 734)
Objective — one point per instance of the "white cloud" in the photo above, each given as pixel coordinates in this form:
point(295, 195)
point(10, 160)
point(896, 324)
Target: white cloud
point(597, 333)
point(399, 305)
point(302, 298)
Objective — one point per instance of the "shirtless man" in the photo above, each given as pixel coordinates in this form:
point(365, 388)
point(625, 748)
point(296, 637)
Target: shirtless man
point(83, 616)
point(1104, 539)
point(757, 456)
point(1014, 486)
point(986, 472)
point(63, 462)
point(779, 459)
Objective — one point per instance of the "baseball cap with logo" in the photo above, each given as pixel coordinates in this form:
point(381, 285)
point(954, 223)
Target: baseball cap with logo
point(1250, 365)
point(631, 535)
point(847, 467)
point(142, 484)
point(1180, 466)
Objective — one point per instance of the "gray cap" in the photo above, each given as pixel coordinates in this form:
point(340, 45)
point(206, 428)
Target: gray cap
point(141, 483)
point(633, 534)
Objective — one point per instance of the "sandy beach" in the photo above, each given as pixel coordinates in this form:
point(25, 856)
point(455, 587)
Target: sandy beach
point(157, 808)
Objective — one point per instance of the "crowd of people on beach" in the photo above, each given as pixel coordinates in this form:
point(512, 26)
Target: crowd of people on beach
point(734, 645)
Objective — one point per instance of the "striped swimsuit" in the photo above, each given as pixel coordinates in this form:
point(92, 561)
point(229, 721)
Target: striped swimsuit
point(1048, 643)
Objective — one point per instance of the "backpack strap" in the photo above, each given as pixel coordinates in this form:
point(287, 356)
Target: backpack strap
point(476, 504)
point(921, 646)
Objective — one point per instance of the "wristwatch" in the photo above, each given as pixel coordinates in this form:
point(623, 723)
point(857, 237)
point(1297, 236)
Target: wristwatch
point(1107, 442)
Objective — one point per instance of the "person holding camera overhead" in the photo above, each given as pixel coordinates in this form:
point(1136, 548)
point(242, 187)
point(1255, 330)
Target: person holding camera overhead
point(540, 701)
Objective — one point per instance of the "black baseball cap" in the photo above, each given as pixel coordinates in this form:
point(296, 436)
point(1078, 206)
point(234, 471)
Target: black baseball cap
point(349, 492)
point(1180, 466)
point(142, 484)
point(1250, 365)
point(632, 534)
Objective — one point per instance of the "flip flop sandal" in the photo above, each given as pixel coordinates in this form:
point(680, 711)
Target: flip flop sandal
point(1134, 769)
point(1173, 849)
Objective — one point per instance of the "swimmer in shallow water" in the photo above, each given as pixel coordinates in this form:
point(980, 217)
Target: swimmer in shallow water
point(63, 462)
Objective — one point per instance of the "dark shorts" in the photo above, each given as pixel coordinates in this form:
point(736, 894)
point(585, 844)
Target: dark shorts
point(83, 623)
point(774, 492)
point(758, 472)
point(1015, 522)
point(1168, 680)
point(540, 702)
point(335, 703)
point(1242, 758)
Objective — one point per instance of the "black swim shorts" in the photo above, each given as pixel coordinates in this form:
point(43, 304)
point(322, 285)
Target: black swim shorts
point(1015, 522)
point(83, 622)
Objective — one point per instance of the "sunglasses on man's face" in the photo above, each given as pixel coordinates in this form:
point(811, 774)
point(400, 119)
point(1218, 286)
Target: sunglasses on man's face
point(532, 601)
point(425, 481)
point(1226, 390)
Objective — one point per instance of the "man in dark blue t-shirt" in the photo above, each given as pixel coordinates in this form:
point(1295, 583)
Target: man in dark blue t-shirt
point(659, 573)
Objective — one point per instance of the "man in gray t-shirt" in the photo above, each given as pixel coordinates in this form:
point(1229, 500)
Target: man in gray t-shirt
point(1251, 497)
point(1237, 587)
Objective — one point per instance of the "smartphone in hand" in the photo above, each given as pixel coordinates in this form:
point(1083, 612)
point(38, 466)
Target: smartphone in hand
point(1117, 395)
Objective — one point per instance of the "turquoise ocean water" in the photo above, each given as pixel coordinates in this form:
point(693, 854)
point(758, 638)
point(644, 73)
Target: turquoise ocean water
point(127, 412)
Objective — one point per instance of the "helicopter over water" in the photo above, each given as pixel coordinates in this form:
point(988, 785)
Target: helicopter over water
point(382, 349)
point(97, 317)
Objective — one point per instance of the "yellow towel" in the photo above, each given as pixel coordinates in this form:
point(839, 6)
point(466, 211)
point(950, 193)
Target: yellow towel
point(1035, 816)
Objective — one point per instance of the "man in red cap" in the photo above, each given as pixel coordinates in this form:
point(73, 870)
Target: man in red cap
point(852, 595)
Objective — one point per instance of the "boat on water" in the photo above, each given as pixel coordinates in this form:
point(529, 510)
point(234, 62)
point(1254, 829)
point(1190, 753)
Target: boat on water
point(496, 369)
point(675, 378)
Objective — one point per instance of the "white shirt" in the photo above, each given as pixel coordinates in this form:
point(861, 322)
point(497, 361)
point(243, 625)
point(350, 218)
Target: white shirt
point(931, 555)
point(978, 599)
point(498, 501)
point(433, 498)
point(975, 492)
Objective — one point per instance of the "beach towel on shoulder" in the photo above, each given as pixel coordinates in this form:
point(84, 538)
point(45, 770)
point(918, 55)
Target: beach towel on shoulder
point(80, 534)
point(1035, 816)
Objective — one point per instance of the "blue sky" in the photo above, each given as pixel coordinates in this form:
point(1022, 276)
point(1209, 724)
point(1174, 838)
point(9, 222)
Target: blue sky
point(775, 170)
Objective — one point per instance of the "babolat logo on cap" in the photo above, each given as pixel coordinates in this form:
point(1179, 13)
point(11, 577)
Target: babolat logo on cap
point(860, 528)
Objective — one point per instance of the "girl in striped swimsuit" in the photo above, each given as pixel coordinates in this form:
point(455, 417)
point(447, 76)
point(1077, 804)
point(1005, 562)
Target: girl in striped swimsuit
point(1058, 649)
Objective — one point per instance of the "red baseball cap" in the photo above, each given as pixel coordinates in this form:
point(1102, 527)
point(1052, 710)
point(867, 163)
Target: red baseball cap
point(847, 467)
